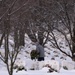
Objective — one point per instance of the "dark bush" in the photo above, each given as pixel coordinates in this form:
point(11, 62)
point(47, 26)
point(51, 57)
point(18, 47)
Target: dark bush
point(34, 54)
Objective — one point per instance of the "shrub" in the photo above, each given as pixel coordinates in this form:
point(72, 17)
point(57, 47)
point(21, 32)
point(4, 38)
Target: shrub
point(20, 68)
point(65, 67)
point(34, 54)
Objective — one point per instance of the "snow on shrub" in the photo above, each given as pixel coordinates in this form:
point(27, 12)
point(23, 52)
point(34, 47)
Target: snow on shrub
point(41, 64)
point(53, 64)
point(67, 65)
point(35, 65)
point(20, 65)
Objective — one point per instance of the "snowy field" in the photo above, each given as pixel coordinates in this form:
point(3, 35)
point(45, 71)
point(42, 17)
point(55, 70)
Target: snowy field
point(53, 58)
point(40, 72)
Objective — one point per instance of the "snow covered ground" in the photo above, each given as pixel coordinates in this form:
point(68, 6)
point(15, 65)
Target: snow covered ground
point(43, 71)
point(53, 57)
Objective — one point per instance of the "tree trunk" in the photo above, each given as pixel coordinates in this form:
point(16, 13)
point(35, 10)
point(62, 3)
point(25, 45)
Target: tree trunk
point(7, 29)
point(40, 38)
point(21, 38)
point(73, 51)
point(6, 48)
point(11, 68)
point(3, 35)
point(16, 39)
point(21, 27)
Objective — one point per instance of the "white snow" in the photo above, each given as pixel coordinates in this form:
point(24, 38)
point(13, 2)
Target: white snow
point(43, 71)
point(53, 57)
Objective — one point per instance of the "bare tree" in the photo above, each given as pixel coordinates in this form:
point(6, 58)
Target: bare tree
point(63, 12)
point(67, 18)
point(60, 16)
point(7, 18)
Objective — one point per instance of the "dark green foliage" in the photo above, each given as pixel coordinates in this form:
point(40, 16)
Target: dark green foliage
point(34, 54)
point(21, 68)
point(65, 67)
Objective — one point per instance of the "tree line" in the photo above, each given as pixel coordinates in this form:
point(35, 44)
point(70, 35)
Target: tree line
point(38, 19)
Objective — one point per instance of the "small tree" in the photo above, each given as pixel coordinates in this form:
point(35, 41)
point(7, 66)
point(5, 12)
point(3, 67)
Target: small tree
point(62, 20)
point(10, 57)
point(64, 16)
